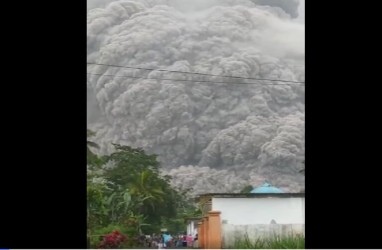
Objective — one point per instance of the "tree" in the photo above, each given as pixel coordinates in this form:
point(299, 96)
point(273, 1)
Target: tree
point(131, 194)
point(246, 189)
point(92, 159)
point(97, 210)
point(145, 188)
point(151, 194)
point(91, 144)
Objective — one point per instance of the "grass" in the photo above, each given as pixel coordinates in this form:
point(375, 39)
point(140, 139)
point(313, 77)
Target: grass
point(275, 242)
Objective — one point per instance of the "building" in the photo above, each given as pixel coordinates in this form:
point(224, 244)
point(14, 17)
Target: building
point(192, 225)
point(266, 188)
point(264, 212)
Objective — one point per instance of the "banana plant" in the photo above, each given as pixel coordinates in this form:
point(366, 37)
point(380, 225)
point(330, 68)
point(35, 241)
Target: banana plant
point(118, 204)
point(139, 219)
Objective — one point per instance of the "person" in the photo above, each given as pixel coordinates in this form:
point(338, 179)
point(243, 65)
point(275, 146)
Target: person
point(189, 240)
point(167, 239)
point(179, 242)
point(184, 240)
point(161, 241)
point(196, 241)
point(142, 240)
point(160, 245)
point(155, 241)
point(163, 238)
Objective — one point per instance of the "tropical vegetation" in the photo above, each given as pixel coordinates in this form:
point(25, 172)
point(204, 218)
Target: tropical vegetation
point(127, 196)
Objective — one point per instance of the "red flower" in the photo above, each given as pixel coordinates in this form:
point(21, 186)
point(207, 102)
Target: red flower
point(112, 240)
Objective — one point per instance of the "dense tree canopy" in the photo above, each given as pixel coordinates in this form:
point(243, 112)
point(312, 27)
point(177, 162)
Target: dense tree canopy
point(127, 190)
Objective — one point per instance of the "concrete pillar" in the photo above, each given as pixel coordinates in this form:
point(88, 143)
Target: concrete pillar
point(214, 230)
point(201, 234)
point(206, 234)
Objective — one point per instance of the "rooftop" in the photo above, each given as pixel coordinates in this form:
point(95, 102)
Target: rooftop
point(267, 188)
point(253, 195)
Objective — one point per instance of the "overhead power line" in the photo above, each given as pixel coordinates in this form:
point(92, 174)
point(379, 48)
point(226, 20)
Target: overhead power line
point(201, 81)
point(195, 73)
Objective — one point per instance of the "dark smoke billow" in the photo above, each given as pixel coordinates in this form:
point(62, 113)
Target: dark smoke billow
point(220, 136)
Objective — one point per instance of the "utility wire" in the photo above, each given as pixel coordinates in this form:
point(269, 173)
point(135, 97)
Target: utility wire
point(181, 80)
point(195, 73)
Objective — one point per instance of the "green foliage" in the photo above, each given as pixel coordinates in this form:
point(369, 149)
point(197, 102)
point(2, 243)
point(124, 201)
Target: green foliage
point(174, 225)
point(247, 189)
point(92, 159)
point(152, 194)
point(98, 233)
point(186, 208)
point(96, 207)
point(118, 204)
point(275, 242)
point(131, 195)
point(130, 232)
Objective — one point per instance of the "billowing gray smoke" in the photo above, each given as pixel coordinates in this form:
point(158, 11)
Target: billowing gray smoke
point(237, 133)
point(288, 6)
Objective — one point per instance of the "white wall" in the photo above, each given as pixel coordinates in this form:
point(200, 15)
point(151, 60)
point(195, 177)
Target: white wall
point(250, 211)
point(192, 228)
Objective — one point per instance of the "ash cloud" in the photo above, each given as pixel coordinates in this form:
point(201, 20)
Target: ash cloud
point(243, 132)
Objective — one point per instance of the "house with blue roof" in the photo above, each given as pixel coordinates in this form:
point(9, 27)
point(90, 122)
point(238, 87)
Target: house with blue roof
point(264, 212)
point(266, 188)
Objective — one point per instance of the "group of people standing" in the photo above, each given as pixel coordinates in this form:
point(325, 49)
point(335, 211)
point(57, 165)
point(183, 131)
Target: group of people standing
point(166, 240)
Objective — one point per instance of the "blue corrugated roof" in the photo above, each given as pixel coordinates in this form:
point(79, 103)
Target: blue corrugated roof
point(266, 188)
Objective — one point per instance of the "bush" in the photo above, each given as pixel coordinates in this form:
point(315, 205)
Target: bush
point(112, 240)
point(99, 237)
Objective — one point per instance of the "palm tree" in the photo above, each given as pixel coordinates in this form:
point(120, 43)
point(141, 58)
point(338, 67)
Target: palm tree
point(91, 157)
point(91, 144)
point(145, 188)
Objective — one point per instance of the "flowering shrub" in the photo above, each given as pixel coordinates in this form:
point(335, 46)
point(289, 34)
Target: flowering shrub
point(112, 240)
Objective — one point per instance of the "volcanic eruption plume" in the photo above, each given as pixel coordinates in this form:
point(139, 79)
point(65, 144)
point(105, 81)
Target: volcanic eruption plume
point(222, 132)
